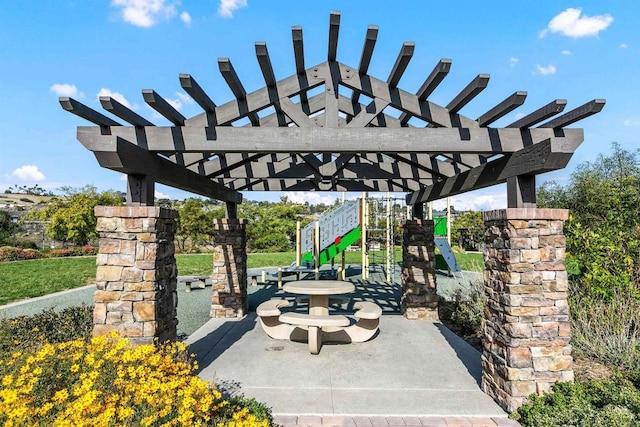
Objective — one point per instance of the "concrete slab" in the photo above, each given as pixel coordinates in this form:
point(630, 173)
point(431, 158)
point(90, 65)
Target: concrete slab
point(411, 369)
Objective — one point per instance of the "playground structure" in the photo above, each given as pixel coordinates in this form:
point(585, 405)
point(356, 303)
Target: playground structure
point(371, 221)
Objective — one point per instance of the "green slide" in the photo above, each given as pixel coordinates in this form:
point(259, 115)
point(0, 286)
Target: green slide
point(340, 244)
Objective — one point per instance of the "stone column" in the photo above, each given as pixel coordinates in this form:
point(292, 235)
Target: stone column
point(136, 275)
point(419, 298)
point(526, 330)
point(229, 278)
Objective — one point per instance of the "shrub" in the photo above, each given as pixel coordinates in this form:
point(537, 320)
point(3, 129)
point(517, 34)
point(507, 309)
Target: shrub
point(51, 372)
point(607, 329)
point(27, 332)
point(105, 381)
point(606, 402)
point(465, 312)
point(10, 253)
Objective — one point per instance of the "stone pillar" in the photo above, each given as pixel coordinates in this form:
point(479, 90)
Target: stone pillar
point(526, 330)
point(136, 275)
point(419, 298)
point(229, 277)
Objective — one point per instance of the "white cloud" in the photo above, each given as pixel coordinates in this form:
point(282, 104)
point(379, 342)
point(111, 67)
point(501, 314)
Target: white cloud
point(572, 23)
point(28, 173)
point(227, 7)
point(186, 18)
point(115, 95)
point(513, 61)
point(480, 200)
point(145, 13)
point(519, 115)
point(65, 89)
point(159, 195)
point(181, 100)
point(545, 71)
point(314, 198)
point(566, 52)
point(623, 46)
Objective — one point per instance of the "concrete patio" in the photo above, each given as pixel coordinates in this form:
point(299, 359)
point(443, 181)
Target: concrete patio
point(412, 373)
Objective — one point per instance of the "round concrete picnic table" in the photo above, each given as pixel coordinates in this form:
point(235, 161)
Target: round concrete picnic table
point(319, 292)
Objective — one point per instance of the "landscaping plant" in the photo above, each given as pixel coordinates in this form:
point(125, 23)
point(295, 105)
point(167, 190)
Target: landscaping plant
point(53, 373)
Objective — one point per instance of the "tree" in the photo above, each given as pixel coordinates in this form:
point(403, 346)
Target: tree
point(6, 227)
point(71, 217)
point(467, 229)
point(195, 223)
point(603, 230)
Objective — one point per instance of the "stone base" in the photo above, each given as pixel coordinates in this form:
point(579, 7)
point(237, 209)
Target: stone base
point(526, 329)
point(419, 298)
point(229, 276)
point(136, 277)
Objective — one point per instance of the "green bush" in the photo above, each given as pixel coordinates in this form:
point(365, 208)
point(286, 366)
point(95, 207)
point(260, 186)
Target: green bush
point(49, 326)
point(610, 402)
point(607, 329)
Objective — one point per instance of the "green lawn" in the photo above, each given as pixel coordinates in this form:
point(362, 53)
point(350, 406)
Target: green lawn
point(27, 279)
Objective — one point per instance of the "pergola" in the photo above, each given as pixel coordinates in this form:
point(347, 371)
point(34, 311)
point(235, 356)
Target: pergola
point(332, 127)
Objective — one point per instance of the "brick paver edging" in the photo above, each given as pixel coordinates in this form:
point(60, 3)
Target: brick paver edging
point(362, 421)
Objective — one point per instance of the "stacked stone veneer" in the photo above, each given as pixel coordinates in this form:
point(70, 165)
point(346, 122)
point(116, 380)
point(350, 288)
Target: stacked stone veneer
point(526, 331)
point(136, 273)
point(229, 278)
point(419, 298)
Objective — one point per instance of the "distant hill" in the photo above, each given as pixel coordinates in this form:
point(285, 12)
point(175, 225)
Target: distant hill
point(22, 202)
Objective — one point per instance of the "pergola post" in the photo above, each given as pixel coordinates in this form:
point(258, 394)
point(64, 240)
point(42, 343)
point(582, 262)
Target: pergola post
point(140, 190)
point(419, 298)
point(136, 277)
point(229, 278)
point(526, 329)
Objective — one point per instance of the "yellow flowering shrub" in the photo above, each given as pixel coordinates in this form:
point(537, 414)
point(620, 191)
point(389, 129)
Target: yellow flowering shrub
point(107, 382)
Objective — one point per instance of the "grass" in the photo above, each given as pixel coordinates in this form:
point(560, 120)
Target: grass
point(28, 279)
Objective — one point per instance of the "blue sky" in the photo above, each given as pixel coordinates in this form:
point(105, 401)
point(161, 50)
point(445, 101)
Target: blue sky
point(551, 49)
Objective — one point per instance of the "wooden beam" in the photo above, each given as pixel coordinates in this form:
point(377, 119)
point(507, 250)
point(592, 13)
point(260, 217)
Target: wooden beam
point(115, 153)
point(334, 29)
point(298, 48)
point(585, 110)
point(81, 110)
point(140, 190)
point(541, 114)
point(370, 112)
point(521, 191)
point(262, 53)
point(367, 50)
point(438, 74)
point(163, 107)
point(231, 77)
point(505, 107)
point(117, 109)
point(227, 139)
point(535, 159)
point(191, 86)
point(233, 81)
point(294, 112)
point(397, 98)
point(402, 61)
point(476, 86)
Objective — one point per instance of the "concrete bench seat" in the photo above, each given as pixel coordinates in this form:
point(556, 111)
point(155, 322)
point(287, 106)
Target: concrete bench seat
point(314, 325)
point(201, 280)
point(271, 307)
point(268, 313)
point(367, 310)
point(314, 320)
